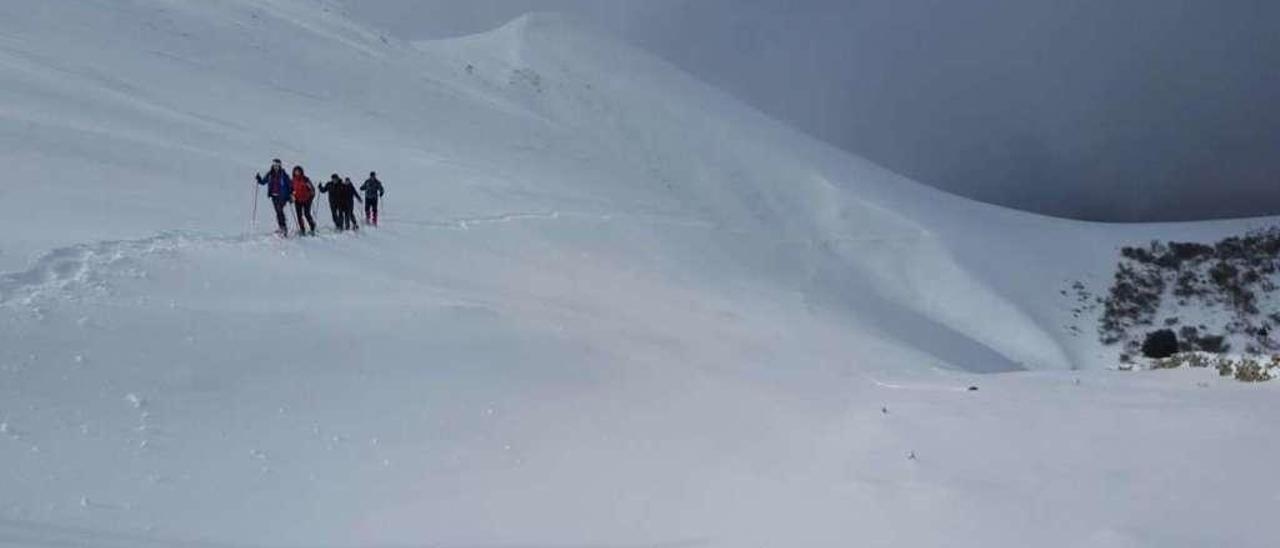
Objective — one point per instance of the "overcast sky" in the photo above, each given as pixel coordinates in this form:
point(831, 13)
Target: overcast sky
point(1098, 109)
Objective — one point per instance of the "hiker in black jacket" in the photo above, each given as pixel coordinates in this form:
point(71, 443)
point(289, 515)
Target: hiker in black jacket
point(349, 196)
point(335, 200)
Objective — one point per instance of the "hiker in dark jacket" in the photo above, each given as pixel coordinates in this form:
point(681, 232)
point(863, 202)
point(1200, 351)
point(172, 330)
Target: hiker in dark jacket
point(280, 189)
point(303, 194)
point(335, 201)
point(373, 192)
point(349, 198)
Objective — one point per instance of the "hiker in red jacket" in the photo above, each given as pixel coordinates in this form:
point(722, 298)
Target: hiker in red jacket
point(303, 194)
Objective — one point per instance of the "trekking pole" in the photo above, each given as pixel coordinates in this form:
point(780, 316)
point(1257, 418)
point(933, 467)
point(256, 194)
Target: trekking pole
point(253, 224)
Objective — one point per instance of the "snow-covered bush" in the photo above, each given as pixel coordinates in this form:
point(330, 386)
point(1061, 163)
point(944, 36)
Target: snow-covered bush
point(1242, 368)
point(1133, 301)
point(1249, 370)
point(1188, 359)
point(1229, 284)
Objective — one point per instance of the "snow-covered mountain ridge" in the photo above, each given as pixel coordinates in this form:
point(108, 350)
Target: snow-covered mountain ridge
point(609, 305)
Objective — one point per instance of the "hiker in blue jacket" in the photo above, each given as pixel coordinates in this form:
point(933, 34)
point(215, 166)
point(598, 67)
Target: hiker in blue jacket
point(280, 189)
point(373, 192)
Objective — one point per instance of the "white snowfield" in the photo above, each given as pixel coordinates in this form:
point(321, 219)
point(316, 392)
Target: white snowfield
point(609, 306)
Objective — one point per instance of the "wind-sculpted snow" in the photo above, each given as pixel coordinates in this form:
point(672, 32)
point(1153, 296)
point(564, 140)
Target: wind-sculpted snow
point(608, 306)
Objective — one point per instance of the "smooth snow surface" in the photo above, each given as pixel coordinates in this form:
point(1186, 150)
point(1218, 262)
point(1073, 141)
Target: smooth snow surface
point(608, 306)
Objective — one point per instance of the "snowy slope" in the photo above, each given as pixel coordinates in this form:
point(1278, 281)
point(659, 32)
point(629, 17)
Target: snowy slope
point(609, 306)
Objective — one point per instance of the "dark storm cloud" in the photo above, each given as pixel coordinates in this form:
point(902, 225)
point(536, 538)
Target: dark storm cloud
point(1099, 109)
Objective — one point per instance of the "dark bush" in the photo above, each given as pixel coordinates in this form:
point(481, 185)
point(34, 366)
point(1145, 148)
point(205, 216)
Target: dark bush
point(1190, 340)
point(1137, 254)
point(1188, 285)
point(1189, 251)
point(1215, 344)
point(1160, 344)
point(1224, 275)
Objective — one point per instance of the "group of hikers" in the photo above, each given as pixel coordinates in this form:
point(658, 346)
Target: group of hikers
point(284, 188)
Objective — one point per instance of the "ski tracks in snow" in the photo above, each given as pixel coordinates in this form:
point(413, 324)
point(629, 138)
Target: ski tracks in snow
point(20, 533)
point(85, 268)
point(916, 387)
point(468, 223)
